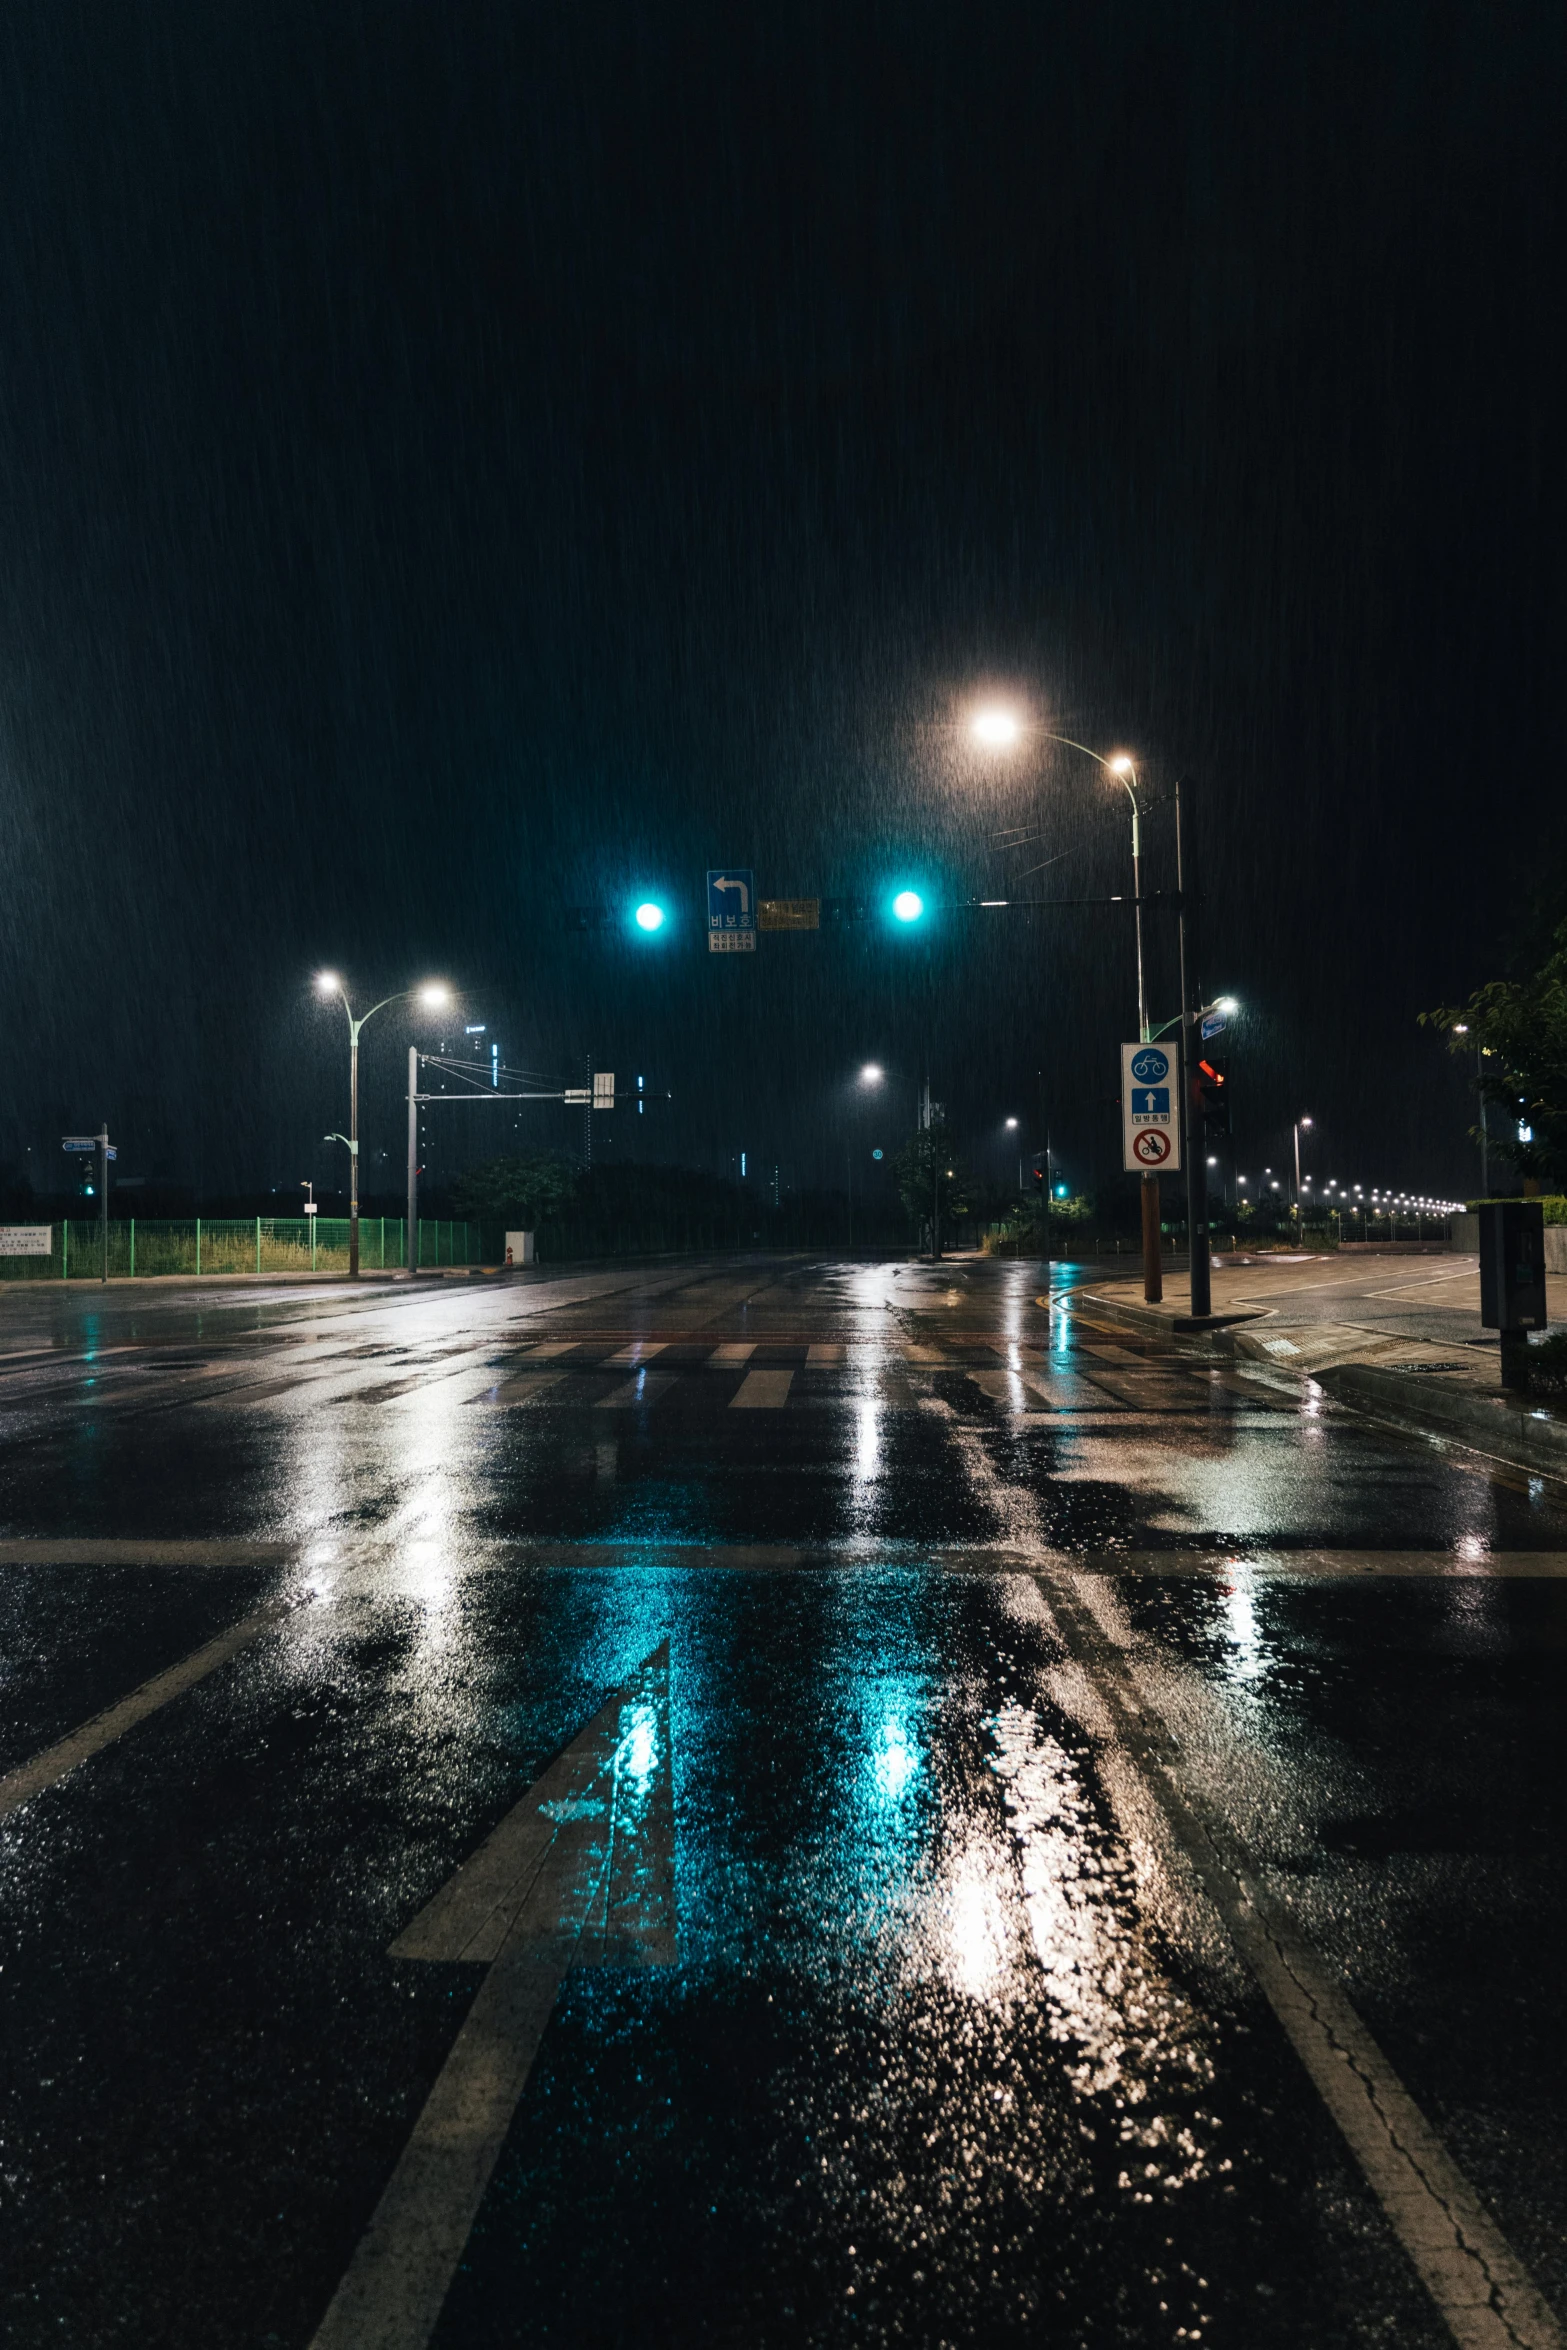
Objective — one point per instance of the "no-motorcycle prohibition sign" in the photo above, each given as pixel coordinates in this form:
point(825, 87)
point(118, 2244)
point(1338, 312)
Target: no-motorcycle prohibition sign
point(1150, 1109)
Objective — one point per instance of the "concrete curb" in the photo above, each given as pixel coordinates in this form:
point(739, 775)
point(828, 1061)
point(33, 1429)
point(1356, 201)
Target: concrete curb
point(1522, 1433)
point(1500, 1426)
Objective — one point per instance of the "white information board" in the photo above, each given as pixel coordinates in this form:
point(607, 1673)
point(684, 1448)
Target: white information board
point(26, 1240)
point(1150, 1109)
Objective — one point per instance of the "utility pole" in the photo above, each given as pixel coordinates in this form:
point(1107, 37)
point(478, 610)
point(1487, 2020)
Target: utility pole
point(928, 1127)
point(1195, 1143)
point(411, 1244)
point(1153, 1263)
point(102, 1139)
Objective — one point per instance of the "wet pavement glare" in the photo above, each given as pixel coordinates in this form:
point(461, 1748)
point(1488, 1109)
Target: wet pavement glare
point(892, 2001)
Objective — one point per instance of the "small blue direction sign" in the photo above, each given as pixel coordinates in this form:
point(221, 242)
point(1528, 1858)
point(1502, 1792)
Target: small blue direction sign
point(1214, 1024)
point(1150, 1127)
point(731, 910)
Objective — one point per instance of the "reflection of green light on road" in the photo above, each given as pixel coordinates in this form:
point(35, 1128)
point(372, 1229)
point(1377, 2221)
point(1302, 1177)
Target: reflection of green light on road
point(639, 1747)
point(896, 1760)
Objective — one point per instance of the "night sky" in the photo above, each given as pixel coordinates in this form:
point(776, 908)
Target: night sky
point(464, 462)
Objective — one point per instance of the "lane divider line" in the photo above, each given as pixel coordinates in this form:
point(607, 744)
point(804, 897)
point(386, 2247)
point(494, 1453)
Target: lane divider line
point(1485, 2294)
point(18, 1787)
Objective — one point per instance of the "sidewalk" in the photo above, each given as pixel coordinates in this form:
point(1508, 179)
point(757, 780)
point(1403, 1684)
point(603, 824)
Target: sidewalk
point(1398, 1340)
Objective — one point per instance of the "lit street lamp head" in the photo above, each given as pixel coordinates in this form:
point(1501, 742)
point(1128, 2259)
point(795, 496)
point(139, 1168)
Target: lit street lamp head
point(997, 729)
point(1121, 764)
point(871, 1073)
point(327, 983)
point(436, 995)
point(1011, 1124)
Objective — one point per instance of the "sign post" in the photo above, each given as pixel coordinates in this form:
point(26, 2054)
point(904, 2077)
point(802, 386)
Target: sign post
point(104, 1151)
point(731, 911)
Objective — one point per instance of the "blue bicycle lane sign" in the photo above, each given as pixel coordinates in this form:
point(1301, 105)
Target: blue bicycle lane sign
point(1150, 1110)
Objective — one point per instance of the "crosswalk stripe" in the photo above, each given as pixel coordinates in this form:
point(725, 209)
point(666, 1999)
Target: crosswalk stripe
point(824, 1354)
point(739, 1350)
point(765, 1391)
point(645, 1388)
point(525, 1386)
point(639, 1351)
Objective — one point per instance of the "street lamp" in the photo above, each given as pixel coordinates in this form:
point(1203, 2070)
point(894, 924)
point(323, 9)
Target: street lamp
point(1000, 729)
point(435, 995)
point(1299, 1123)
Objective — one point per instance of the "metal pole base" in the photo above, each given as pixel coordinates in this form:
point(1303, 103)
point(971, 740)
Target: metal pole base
point(1153, 1263)
point(1515, 1360)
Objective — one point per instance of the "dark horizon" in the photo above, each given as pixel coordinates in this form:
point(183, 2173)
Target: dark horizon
point(463, 465)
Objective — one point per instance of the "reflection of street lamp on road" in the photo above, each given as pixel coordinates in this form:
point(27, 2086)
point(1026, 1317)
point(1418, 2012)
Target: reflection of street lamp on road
point(435, 995)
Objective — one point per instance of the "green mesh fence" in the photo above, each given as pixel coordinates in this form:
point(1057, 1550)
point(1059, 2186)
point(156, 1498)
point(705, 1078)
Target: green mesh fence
point(142, 1248)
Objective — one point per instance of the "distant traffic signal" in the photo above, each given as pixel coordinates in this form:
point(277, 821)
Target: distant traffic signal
point(1037, 1171)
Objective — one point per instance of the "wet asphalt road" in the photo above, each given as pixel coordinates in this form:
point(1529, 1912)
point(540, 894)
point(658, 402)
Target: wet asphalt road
point(987, 1819)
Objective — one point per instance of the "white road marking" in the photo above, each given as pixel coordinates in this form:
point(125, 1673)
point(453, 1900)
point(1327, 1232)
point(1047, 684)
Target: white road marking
point(47, 1769)
point(738, 1350)
point(762, 1391)
point(95, 1550)
point(824, 1354)
point(645, 1388)
point(639, 1351)
point(580, 1873)
point(525, 1387)
point(1483, 2291)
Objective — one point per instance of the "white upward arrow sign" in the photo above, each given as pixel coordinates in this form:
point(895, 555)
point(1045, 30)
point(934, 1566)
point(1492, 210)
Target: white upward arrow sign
point(581, 1873)
point(722, 881)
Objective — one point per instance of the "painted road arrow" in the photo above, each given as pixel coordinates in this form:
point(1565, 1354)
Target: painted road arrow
point(581, 1873)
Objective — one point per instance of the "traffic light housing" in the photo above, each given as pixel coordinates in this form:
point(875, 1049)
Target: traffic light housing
point(1211, 1094)
point(1037, 1173)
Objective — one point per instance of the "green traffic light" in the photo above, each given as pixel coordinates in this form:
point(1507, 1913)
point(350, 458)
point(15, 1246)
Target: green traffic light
point(908, 905)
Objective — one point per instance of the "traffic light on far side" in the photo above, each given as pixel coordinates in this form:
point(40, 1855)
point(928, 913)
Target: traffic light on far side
point(1037, 1174)
point(1211, 1094)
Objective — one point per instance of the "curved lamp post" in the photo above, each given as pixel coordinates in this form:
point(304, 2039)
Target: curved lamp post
point(436, 995)
point(999, 730)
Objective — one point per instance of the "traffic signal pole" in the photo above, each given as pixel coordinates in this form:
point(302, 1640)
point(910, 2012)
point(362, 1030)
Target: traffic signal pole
point(1153, 1261)
point(1193, 1137)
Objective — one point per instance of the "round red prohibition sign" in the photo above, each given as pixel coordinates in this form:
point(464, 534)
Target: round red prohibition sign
point(1152, 1146)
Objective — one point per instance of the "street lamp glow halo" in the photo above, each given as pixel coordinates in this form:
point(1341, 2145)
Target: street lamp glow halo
point(871, 1074)
point(649, 916)
point(996, 728)
point(908, 905)
point(436, 994)
point(327, 983)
